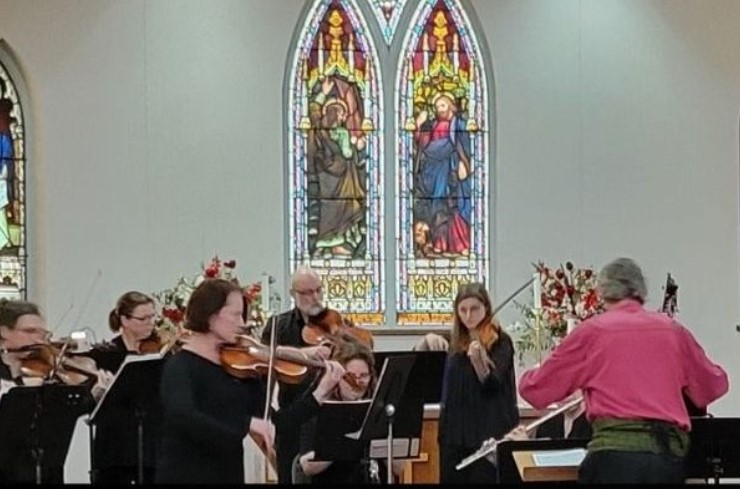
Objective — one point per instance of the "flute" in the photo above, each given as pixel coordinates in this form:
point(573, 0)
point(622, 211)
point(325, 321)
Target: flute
point(489, 446)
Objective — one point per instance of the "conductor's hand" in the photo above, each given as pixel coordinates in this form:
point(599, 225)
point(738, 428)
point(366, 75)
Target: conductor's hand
point(432, 342)
point(333, 374)
point(105, 378)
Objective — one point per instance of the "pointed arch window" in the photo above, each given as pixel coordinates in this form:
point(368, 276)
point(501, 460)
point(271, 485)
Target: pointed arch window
point(12, 184)
point(430, 217)
point(336, 149)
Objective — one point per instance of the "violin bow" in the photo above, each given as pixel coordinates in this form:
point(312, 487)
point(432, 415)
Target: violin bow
point(516, 293)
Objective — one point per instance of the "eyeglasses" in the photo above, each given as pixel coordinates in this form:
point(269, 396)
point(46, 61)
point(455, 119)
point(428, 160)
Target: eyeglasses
point(363, 376)
point(307, 292)
point(149, 317)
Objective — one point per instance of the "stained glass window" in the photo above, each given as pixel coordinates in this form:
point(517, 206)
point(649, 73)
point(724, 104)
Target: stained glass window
point(336, 150)
point(12, 191)
point(388, 12)
point(442, 191)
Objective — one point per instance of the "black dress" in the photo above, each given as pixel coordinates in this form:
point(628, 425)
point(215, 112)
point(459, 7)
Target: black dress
point(114, 455)
point(289, 326)
point(206, 415)
point(474, 411)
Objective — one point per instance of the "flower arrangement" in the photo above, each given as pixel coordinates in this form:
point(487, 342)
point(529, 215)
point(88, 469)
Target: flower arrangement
point(568, 295)
point(174, 300)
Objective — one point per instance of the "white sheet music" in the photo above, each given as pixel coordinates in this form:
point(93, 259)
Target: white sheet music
point(559, 458)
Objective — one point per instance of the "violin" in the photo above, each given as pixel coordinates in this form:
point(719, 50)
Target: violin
point(329, 326)
point(55, 361)
point(248, 358)
point(158, 342)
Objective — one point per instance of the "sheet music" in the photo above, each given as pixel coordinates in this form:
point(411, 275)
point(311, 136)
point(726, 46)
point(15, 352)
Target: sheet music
point(559, 458)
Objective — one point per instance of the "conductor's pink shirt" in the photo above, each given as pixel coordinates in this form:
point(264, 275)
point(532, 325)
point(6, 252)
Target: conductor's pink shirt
point(630, 363)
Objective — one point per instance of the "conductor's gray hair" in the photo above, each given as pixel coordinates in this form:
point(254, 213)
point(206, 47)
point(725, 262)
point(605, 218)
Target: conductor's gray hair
point(621, 279)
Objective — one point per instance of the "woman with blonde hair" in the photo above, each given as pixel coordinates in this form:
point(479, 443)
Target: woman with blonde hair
point(479, 387)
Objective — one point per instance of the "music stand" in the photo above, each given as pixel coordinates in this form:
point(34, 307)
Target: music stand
point(425, 378)
point(37, 423)
point(509, 471)
point(383, 412)
point(134, 390)
point(335, 420)
point(714, 451)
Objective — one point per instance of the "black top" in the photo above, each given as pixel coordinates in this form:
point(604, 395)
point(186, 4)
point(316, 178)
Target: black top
point(474, 411)
point(115, 443)
point(206, 415)
point(289, 326)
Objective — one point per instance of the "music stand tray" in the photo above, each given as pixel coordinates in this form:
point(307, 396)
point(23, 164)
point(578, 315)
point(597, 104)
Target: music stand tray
point(37, 424)
point(515, 459)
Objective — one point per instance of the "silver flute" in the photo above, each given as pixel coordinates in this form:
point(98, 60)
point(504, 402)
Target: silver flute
point(489, 446)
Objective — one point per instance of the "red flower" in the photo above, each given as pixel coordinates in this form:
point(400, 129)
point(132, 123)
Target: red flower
point(211, 271)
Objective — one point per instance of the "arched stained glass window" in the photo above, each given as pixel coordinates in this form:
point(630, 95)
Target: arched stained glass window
point(335, 151)
point(12, 189)
point(388, 12)
point(442, 197)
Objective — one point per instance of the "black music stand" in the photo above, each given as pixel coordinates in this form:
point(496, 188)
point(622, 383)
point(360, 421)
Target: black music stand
point(335, 420)
point(508, 470)
point(714, 451)
point(36, 426)
point(134, 392)
point(425, 378)
point(383, 420)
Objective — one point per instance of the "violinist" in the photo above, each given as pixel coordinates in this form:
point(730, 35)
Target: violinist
point(115, 452)
point(307, 292)
point(207, 412)
point(22, 328)
point(349, 376)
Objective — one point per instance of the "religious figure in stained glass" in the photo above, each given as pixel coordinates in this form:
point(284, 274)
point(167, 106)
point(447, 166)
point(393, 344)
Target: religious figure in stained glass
point(12, 191)
point(336, 175)
point(442, 196)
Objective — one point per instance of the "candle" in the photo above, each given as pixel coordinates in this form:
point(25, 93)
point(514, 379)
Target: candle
point(265, 293)
point(537, 291)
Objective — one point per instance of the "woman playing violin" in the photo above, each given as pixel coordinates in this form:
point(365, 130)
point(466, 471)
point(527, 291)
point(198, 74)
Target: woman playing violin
point(349, 376)
point(115, 443)
point(22, 333)
point(207, 412)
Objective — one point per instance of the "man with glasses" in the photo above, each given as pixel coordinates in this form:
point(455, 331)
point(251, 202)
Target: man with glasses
point(306, 291)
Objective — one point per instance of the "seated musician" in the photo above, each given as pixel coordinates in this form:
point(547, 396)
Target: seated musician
point(356, 360)
point(22, 326)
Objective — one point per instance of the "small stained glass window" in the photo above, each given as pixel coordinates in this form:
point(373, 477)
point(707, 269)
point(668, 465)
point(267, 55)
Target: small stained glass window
point(12, 191)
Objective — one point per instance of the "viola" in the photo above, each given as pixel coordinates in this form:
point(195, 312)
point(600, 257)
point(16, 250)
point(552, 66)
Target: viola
point(248, 358)
point(329, 326)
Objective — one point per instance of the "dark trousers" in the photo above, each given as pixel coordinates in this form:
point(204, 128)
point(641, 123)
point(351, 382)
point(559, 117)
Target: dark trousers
point(479, 472)
point(606, 467)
